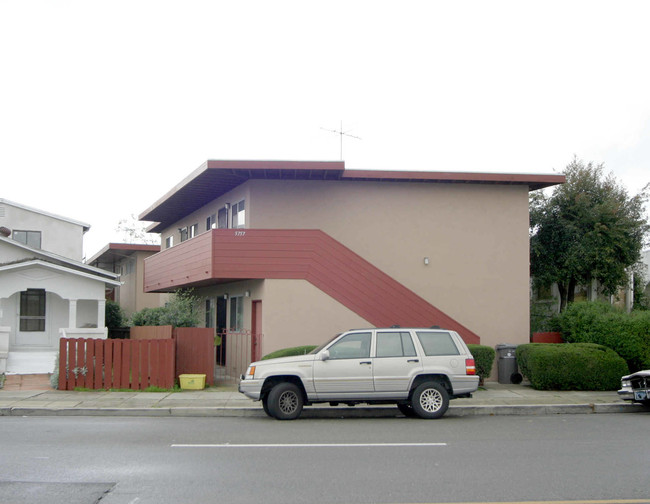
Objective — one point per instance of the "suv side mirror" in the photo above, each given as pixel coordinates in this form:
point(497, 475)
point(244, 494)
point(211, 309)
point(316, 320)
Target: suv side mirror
point(325, 355)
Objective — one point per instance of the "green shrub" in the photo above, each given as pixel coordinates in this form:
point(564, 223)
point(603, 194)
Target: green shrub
point(597, 322)
point(114, 315)
point(288, 352)
point(180, 311)
point(565, 366)
point(484, 359)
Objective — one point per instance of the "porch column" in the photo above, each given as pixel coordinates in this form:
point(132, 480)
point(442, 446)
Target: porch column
point(72, 313)
point(101, 313)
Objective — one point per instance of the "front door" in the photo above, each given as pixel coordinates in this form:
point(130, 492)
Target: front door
point(32, 323)
point(221, 331)
point(348, 370)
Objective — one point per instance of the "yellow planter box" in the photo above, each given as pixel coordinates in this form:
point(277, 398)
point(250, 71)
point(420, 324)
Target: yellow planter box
point(192, 381)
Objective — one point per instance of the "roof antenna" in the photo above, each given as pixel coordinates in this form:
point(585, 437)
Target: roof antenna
point(340, 132)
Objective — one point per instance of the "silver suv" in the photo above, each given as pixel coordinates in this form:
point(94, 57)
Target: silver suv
point(420, 370)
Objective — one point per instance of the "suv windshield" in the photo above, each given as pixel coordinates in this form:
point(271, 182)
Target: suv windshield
point(319, 348)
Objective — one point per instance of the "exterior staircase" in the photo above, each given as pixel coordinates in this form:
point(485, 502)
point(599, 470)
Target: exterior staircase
point(312, 255)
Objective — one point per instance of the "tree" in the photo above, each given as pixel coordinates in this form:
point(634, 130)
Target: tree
point(587, 229)
point(135, 231)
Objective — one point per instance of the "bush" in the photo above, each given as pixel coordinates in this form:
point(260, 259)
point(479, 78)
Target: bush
point(288, 352)
point(114, 315)
point(600, 323)
point(579, 366)
point(484, 359)
point(180, 311)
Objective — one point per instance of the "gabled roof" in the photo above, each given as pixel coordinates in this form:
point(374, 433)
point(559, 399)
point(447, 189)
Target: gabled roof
point(58, 267)
point(215, 178)
point(85, 226)
point(54, 259)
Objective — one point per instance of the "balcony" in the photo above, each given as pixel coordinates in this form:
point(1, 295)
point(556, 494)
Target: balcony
point(226, 255)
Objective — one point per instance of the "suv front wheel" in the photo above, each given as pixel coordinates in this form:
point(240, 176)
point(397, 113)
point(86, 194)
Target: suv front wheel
point(285, 401)
point(430, 400)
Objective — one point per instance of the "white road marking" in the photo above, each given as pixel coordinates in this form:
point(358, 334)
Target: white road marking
point(310, 445)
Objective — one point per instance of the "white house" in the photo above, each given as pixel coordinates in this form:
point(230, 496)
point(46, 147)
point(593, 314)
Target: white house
point(46, 291)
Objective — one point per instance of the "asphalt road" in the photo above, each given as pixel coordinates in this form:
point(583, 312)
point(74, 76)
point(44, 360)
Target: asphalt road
point(259, 460)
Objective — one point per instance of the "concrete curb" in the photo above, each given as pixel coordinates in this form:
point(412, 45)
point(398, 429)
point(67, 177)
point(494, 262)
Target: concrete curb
point(330, 412)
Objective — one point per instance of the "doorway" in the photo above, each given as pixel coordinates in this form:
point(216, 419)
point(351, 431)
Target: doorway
point(221, 330)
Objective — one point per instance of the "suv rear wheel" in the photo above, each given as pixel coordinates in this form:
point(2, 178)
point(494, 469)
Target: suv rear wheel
point(430, 400)
point(285, 401)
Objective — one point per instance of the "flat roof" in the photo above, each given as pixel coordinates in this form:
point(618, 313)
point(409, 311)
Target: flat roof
point(217, 177)
point(115, 251)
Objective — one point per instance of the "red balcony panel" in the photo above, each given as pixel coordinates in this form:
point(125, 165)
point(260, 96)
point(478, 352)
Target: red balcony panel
point(231, 254)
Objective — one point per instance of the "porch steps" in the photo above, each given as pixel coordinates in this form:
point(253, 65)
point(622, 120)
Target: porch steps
point(31, 362)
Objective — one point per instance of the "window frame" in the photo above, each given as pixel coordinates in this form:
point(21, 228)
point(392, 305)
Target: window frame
point(25, 305)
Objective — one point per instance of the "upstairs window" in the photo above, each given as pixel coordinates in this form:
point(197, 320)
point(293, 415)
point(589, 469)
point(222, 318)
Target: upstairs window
point(183, 234)
point(238, 215)
point(32, 310)
point(193, 230)
point(29, 238)
point(211, 221)
point(169, 242)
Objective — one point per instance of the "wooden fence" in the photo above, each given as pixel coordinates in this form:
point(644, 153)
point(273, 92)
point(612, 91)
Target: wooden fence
point(195, 351)
point(106, 364)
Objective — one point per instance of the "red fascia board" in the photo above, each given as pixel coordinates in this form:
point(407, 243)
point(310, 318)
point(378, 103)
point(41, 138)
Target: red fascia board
point(275, 165)
point(533, 180)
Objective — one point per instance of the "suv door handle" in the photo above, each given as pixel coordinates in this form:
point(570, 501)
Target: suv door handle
point(365, 362)
point(413, 360)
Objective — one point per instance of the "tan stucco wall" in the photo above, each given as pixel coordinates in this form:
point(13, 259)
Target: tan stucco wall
point(131, 295)
point(286, 319)
point(475, 236)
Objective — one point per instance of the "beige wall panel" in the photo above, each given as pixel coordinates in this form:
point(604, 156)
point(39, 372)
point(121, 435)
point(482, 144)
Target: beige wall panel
point(297, 313)
point(475, 236)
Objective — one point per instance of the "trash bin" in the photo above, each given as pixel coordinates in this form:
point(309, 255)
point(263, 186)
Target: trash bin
point(507, 364)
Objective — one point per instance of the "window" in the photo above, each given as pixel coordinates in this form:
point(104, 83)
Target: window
point(437, 343)
point(352, 346)
point(29, 238)
point(395, 344)
point(169, 242)
point(222, 222)
point(210, 221)
point(238, 215)
point(183, 234)
point(209, 313)
point(32, 310)
point(129, 267)
point(193, 230)
point(237, 313)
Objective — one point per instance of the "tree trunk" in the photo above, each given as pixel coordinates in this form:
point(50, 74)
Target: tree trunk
point(563, 292)
point(571, 292)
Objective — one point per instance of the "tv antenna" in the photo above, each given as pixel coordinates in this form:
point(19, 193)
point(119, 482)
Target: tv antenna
point(341, 134)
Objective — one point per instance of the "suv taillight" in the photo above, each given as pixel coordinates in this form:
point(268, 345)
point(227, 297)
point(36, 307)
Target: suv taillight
point(470, 367)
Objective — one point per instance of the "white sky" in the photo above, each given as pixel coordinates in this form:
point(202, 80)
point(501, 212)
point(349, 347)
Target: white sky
point(105, 106)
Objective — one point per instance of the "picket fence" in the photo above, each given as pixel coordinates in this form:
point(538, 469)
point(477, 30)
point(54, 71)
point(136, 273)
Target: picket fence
point(116, 364)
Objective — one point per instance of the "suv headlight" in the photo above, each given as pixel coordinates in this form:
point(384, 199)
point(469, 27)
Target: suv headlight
point(626, 384)
point(250, 373)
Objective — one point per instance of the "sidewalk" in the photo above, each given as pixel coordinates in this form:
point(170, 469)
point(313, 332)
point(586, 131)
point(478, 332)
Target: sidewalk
point(220, 401)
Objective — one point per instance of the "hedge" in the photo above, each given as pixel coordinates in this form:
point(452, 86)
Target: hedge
point(571, 366)
point(483, 358)
point(288, 352)
point(597, 322)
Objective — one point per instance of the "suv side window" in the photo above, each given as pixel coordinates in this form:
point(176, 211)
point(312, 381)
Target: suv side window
point(351, 346)
point(437, 343)
point(395, 344)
